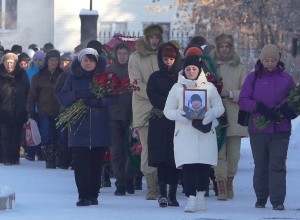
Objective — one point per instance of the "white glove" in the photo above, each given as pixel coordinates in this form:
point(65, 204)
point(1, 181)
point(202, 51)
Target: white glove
point(208, 117)
point(180, 116)
point(215, 123)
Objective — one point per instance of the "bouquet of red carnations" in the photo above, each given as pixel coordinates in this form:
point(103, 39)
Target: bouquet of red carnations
point(103, 84)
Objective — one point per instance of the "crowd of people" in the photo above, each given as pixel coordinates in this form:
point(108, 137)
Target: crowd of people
point(193, 144)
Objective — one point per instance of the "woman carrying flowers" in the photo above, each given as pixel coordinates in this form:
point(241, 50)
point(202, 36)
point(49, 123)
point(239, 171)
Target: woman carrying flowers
point(262, 95)
point(90, 135)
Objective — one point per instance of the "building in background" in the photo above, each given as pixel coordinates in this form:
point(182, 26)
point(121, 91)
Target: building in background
point(57, 21)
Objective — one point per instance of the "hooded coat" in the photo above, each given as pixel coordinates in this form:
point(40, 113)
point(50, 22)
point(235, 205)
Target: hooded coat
point(233, 74)
point(161, 131)
point(122, 110)
point(94, 129)
point(191, 145)
point(141, 65)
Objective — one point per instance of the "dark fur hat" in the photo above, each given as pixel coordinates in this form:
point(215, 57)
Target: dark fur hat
point(224, 38)
point(52, 53)
point(153, 29)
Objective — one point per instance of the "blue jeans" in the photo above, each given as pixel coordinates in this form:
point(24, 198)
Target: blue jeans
point(49, 133)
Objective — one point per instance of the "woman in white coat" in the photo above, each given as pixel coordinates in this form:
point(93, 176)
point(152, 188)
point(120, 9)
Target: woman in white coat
point(195, 150)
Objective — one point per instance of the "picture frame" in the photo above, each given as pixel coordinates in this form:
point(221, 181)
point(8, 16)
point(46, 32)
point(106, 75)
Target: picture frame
point(195, 103)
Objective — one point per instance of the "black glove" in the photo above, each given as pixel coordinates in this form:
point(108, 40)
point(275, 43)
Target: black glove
point(92, 102)
point(287, 112)
point(269, 113)
point(82, 94)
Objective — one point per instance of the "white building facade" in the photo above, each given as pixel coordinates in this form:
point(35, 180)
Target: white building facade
point(24, 22)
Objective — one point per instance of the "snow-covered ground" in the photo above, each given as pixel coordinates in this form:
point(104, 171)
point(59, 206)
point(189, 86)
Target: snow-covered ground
point(45, 194)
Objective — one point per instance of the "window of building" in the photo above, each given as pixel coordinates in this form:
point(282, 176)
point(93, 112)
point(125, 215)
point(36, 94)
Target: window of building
point(113, 27)
point(8, 12)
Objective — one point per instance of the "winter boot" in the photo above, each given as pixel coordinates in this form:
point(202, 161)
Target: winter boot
point(201, 204)
point(152, 186)
point(214, 181)
point(215, 188)
point(49, 155)
point(206, 193)
point(191, 204)
point(138, 177)
point(172, 201)
point(106, 176)
point(130, 187)
point(120, 191)
point(222, 190)
point(229, 184)
point(162, 200)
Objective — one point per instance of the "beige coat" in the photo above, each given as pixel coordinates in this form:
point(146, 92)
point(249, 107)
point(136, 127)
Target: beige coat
point(142, 64)
point(191, 145)
point(234, 74)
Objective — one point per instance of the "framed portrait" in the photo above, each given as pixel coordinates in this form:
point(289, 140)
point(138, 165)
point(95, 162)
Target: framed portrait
point(195, 103)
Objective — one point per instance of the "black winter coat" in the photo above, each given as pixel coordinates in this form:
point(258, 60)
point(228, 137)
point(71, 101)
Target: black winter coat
point(14, 88)
point(161, 131)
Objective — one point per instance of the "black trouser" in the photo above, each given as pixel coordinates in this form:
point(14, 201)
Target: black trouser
point(11, 140)
point(167, 173)
point(195, 178)
point(122, 169)
point(87, 169)
point(63, 152)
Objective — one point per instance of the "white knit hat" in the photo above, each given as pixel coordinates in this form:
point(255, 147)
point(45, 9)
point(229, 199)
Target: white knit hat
point(87, 51)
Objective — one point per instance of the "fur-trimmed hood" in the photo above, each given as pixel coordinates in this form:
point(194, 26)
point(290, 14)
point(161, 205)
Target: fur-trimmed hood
point(116, 47)
point(77, 71)
point(143, 44)
point(233, 59)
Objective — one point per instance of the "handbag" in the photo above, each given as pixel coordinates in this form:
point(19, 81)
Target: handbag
point(196, 123)
point(32, 133)
point(243, 118)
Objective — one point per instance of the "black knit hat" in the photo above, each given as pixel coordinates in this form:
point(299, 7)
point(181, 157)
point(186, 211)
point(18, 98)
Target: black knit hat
point(47, 47)
point(192, 60)
point(16, 49)
point(66, 56)
point(23, 57)
point(95, 45)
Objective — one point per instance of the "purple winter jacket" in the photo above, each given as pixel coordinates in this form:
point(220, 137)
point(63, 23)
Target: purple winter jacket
point(269, 89)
